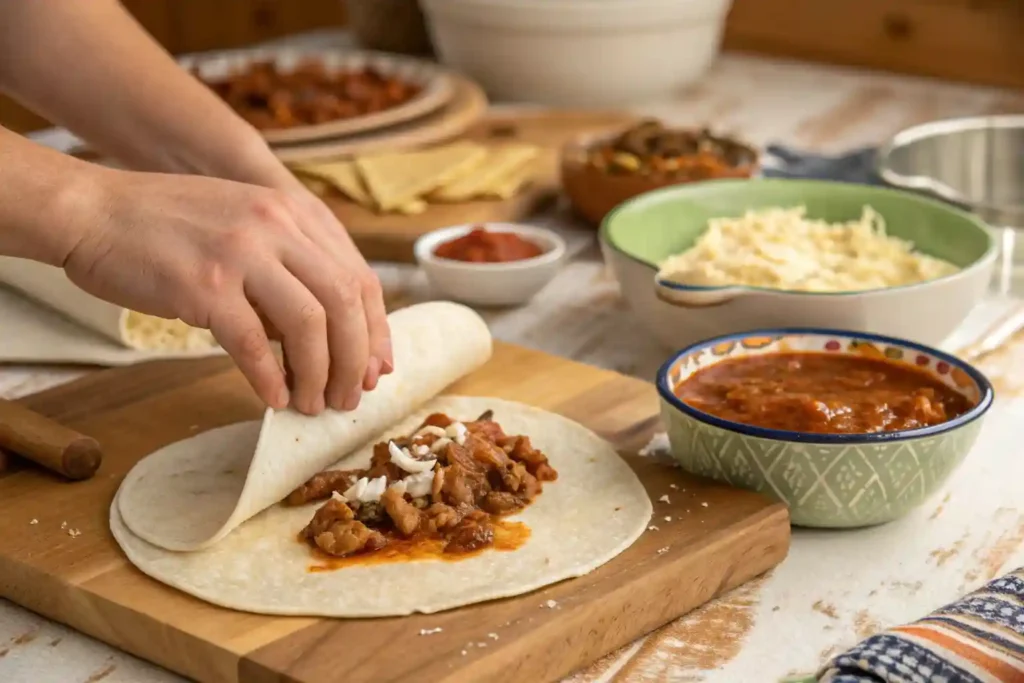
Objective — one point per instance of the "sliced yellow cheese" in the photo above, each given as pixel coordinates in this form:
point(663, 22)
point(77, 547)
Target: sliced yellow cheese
point(501, 163)
point(396, 179)
point(344, 176)
point(510, 184)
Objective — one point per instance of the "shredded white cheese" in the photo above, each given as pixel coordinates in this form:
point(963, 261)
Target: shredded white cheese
point(406, 461)
point(456, 431)
point(439, 444)
point(780, 248)
point(415, 485)
point(366, 490)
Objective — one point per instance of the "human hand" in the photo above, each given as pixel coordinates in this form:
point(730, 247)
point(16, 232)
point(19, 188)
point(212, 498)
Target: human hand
point(229, 257)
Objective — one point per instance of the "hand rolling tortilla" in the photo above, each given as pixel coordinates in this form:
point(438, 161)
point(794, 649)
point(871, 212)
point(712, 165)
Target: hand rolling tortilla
point(197, 514)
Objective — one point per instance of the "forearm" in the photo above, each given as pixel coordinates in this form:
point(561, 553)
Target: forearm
point(90, 67)
point(45, 198)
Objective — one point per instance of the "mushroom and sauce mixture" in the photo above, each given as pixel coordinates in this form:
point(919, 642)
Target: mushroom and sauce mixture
point(449, 480)
point(272, 98)
point(650, 148)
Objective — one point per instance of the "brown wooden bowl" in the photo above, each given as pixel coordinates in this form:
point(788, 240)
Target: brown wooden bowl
point(594, 192)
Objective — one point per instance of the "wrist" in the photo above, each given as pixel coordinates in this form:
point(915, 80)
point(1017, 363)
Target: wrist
point(47, 200)
point(251, 161)
point(77, 210)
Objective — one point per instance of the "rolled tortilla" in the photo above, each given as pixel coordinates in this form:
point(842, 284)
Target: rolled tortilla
point(191, 497)
point(595, 510)
point(51, 287)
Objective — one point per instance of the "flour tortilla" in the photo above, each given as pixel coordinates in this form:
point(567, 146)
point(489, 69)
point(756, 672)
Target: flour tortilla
point(189, 497)
point(51, 287)
point(594, 511)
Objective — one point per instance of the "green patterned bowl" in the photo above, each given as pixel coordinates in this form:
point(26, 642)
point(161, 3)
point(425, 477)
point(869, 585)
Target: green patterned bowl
point(827, 480)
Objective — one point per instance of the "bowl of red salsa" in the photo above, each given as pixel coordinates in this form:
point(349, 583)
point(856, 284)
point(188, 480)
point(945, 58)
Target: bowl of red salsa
point(849, 429)
point(493, 264)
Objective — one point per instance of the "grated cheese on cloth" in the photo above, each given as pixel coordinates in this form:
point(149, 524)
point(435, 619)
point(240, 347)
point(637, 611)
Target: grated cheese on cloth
point(780, 248)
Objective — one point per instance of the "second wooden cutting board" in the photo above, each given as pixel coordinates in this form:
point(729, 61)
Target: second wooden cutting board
point(390, 237)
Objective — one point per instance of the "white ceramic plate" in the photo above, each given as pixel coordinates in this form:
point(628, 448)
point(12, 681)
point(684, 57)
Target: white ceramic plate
point(436, 83)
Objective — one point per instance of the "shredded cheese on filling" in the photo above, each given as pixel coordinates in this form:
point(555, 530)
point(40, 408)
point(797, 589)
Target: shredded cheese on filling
point(780, 248)
point(151, 333)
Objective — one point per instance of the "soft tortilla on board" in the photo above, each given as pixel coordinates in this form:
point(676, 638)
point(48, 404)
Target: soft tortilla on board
point(203, 515)
point(195, 497)
point(50, 286)
point(593, 512)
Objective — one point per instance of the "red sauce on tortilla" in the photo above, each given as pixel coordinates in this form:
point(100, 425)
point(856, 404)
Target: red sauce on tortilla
point(508, 536)
point(482, 246)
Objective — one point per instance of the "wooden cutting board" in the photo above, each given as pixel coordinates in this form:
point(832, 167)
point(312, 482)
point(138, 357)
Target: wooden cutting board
point(717, 539)
point(390, 237)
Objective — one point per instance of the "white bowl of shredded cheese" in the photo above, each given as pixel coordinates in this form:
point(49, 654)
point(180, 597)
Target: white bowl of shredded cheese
point(714, 258)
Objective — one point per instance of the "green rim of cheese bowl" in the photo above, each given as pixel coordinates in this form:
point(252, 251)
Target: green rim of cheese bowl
point(655, 225)
point(827, 480)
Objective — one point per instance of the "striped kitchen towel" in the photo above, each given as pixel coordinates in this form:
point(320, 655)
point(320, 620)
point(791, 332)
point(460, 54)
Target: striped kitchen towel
point(978, 639)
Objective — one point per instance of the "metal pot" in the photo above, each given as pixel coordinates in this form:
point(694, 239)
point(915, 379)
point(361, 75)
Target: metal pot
point(976, 163)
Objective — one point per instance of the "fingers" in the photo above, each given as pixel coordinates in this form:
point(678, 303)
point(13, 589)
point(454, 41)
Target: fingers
point(379, 333)
point(239, 331)
point(340, 293)
point(301, 319)
point(324, 230)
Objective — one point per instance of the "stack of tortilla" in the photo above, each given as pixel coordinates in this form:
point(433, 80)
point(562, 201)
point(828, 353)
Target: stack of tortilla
point(203, 514)
point(407, 182)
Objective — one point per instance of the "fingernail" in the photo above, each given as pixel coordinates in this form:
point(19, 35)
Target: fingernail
point(372, 375)
point(387, 363)
point(283, 397)
point(352, 400)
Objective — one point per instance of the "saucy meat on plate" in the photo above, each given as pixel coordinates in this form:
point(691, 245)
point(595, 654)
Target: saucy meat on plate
point(269, 97)
point(822, 393)
point(449, 482)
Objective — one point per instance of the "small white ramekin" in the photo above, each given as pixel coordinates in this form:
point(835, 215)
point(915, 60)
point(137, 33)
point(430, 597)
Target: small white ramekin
point(491, 284)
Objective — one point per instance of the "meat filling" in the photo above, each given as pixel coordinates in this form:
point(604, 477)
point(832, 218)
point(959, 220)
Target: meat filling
point(479, 474)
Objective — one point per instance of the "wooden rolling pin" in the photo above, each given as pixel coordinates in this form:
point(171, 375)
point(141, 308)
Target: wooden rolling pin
point(47, 443)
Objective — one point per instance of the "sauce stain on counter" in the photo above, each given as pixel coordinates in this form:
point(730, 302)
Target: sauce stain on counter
point(704, 640)
point(941, 507)
point(943, 555)
point(25, 638)
point(101, 674)
point(865, 625)
point(828, 609)
point(989, 560)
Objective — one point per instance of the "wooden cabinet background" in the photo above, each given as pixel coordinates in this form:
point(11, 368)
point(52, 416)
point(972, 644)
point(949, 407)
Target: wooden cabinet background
point(194, 25)
point(978, 41)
